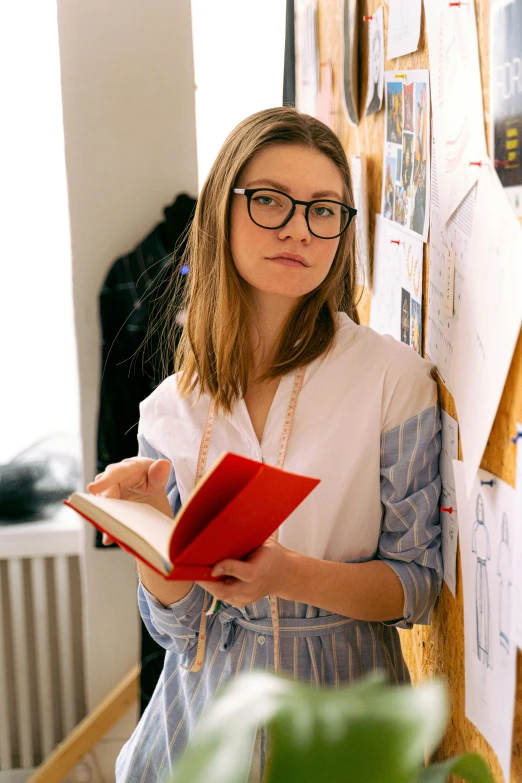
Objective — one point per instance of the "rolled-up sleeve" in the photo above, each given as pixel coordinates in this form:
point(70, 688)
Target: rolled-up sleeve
point(174, 627)
point(410, 538)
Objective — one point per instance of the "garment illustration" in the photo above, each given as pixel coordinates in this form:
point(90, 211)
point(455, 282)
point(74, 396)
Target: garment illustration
point(480, 546)
point(504, 574)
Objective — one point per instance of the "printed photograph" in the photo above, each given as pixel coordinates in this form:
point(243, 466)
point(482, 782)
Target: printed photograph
point(399, 214)
point(407, 93)
point(399, 166)
point(419, 199)
point(394, 113)
point(421, 97)
point(389, 188)
point(416, 326)
point(405, 317)
point(407, 160)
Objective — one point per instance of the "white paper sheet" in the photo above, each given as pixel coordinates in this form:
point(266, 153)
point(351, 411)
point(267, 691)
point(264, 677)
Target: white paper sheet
point(517, 603)
point(490, 316)
point(448, 499)
point(307, 56)
point(486, 526)
point(448, 248)
point(360, 192)
point(350, 59)
point(406, 180)
point(375, 62)
point(404, 22)
point(456, 95)
point(324, 103)
point(397, 284)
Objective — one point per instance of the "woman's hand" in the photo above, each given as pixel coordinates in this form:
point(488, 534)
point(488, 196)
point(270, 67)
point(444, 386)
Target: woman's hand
point(265, 572)
point(140, 479)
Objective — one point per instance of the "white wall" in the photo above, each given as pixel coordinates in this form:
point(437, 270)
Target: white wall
point(39, 391)
point(238, 62)
point(129, 124)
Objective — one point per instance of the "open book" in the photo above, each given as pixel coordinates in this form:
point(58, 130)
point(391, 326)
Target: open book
point(236, 506)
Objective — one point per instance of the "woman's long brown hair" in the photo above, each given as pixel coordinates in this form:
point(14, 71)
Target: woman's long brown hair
point(214, 354)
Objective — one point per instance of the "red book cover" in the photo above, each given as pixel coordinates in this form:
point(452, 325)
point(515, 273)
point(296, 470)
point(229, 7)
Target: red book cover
point(234, 509)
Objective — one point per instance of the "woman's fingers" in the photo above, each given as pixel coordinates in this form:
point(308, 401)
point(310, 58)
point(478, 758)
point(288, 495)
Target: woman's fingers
point(138, 474)
point(158, 475)
point(107, 540)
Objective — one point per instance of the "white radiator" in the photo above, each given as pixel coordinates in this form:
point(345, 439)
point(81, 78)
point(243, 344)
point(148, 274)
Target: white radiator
point(41, 646)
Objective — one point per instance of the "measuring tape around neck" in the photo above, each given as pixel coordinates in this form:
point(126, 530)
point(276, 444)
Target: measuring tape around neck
point(200, 470)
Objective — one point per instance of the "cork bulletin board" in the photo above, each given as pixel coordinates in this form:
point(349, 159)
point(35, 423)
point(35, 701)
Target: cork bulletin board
point(439, 648)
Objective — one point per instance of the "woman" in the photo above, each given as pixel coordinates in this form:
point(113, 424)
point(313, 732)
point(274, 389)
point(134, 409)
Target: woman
point(271, 318)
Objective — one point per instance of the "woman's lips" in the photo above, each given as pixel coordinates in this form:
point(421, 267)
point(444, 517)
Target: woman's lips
point(287, 262)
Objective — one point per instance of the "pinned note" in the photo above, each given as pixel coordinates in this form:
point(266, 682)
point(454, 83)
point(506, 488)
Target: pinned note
point(449, 282)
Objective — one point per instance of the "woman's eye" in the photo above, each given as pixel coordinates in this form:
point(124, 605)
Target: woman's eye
point(323, 211)
point(264, 201)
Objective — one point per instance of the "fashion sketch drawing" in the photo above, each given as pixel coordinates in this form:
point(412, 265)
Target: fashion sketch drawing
point(504, 574)
point(480, 547)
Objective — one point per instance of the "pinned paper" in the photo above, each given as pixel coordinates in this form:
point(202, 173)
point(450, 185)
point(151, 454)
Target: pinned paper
point(448, 263)
point(307, 56)
point(324, 107)
point(360, 194)
point(404, 23)
point(448, 499)
point(517, 569)
point(490, 317)
point(456, 98)
point(449, 281)
point(397, 284)
point(406, 182)
point(350, 61)
point(375, 62)
point(486, 531)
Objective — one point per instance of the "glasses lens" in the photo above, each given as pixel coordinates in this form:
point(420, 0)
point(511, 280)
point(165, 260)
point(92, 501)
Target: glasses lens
point(327, 219)
point(269, 209)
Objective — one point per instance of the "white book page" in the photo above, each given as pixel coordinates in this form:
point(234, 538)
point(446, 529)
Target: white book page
point(145, 528)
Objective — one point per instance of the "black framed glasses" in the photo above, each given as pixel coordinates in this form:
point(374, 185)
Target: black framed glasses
point(272, 209)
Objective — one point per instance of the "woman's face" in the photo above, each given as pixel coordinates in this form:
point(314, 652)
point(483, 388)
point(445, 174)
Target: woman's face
point(306, 175)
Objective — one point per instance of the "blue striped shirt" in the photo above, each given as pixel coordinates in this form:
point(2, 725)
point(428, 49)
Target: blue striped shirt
point(316, 646)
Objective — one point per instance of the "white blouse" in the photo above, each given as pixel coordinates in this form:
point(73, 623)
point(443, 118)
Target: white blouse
point(367, 386)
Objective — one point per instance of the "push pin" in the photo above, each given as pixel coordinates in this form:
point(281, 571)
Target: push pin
point(478, 163)
point(184, 269)
point(515, 439)
point(458, 4)
point(395, 241)
point(400, 75)
point(488, 483)
point(367, 18)
point(449, 510)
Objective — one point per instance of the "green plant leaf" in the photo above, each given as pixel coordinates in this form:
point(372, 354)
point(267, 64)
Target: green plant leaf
point(469, 766)
point(366, 732)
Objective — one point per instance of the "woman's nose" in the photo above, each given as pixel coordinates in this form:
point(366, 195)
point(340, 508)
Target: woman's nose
point(297, 226)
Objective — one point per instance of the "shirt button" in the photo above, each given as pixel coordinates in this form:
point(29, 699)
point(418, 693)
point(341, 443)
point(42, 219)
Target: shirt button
point(261, 640)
